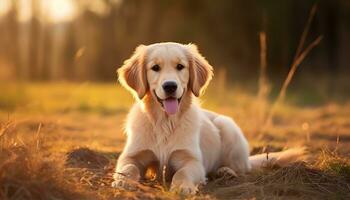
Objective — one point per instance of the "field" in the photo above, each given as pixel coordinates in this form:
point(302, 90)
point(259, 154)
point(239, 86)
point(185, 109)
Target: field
point(61, 141)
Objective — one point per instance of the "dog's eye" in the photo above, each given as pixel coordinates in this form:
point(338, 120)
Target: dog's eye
point(155, 68)
point(179, 67)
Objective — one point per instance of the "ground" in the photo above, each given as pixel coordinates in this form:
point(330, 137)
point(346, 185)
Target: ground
point(61, 141)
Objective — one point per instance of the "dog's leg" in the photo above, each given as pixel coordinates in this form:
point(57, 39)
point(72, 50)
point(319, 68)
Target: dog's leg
point(126, 174)
point(235, 147)
point(130, 169)
point(189, 172)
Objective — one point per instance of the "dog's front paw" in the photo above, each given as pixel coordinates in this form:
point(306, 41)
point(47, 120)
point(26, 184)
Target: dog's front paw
point(123, 182)
point(185, 188)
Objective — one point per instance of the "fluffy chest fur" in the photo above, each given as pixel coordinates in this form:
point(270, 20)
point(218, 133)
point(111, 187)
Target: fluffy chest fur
point(163, 135)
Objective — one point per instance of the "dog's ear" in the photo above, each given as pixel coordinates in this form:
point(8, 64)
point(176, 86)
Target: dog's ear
point(132, 75)
point(201, 72)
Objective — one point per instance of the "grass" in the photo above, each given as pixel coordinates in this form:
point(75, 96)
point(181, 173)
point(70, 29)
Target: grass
point(63, 98)
point(61, 141)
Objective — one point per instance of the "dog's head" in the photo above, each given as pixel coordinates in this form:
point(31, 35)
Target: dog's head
point(166, 71)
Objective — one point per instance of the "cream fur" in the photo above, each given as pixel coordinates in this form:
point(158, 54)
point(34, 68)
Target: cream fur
point(191, 143)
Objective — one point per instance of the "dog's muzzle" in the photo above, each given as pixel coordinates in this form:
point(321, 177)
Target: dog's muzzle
point(170, 104)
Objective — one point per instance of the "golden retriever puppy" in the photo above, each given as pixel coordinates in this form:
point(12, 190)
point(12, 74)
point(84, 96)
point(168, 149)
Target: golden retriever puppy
point(167, 127)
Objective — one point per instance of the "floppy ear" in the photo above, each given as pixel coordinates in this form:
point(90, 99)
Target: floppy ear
point(132, 75)
point(201, 72)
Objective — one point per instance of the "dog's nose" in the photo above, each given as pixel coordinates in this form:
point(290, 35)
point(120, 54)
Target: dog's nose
point(169, 87)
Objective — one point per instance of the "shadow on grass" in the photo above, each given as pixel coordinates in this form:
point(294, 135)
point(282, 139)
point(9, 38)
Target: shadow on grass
point(296, 181)
point(87, 158)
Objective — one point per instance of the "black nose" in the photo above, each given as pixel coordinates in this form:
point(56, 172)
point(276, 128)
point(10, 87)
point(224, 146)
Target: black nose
point(169, 87)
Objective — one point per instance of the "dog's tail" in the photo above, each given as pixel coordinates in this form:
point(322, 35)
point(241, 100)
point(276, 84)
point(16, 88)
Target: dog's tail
point(282, 158)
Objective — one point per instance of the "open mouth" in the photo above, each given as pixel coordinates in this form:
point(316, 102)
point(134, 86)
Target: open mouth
point(170, 104)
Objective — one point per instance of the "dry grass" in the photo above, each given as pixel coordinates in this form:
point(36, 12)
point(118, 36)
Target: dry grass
point(50, 148)
point(300, 55)
point(27, 173)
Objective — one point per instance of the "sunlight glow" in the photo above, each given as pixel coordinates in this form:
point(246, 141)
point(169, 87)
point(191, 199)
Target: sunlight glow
point(24, 11)
point(59, 10)
point(5, 6)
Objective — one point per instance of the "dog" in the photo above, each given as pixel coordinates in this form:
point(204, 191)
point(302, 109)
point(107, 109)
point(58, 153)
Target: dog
point(167, 127)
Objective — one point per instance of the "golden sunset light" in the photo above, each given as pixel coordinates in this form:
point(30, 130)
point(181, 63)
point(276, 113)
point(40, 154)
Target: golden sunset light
point(59, 10)
point(174, 99)
point(5, 6)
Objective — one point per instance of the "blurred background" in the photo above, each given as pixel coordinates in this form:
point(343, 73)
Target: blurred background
point(81, 40)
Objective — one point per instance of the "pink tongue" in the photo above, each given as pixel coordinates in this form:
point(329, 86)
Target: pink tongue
point(170, 105)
